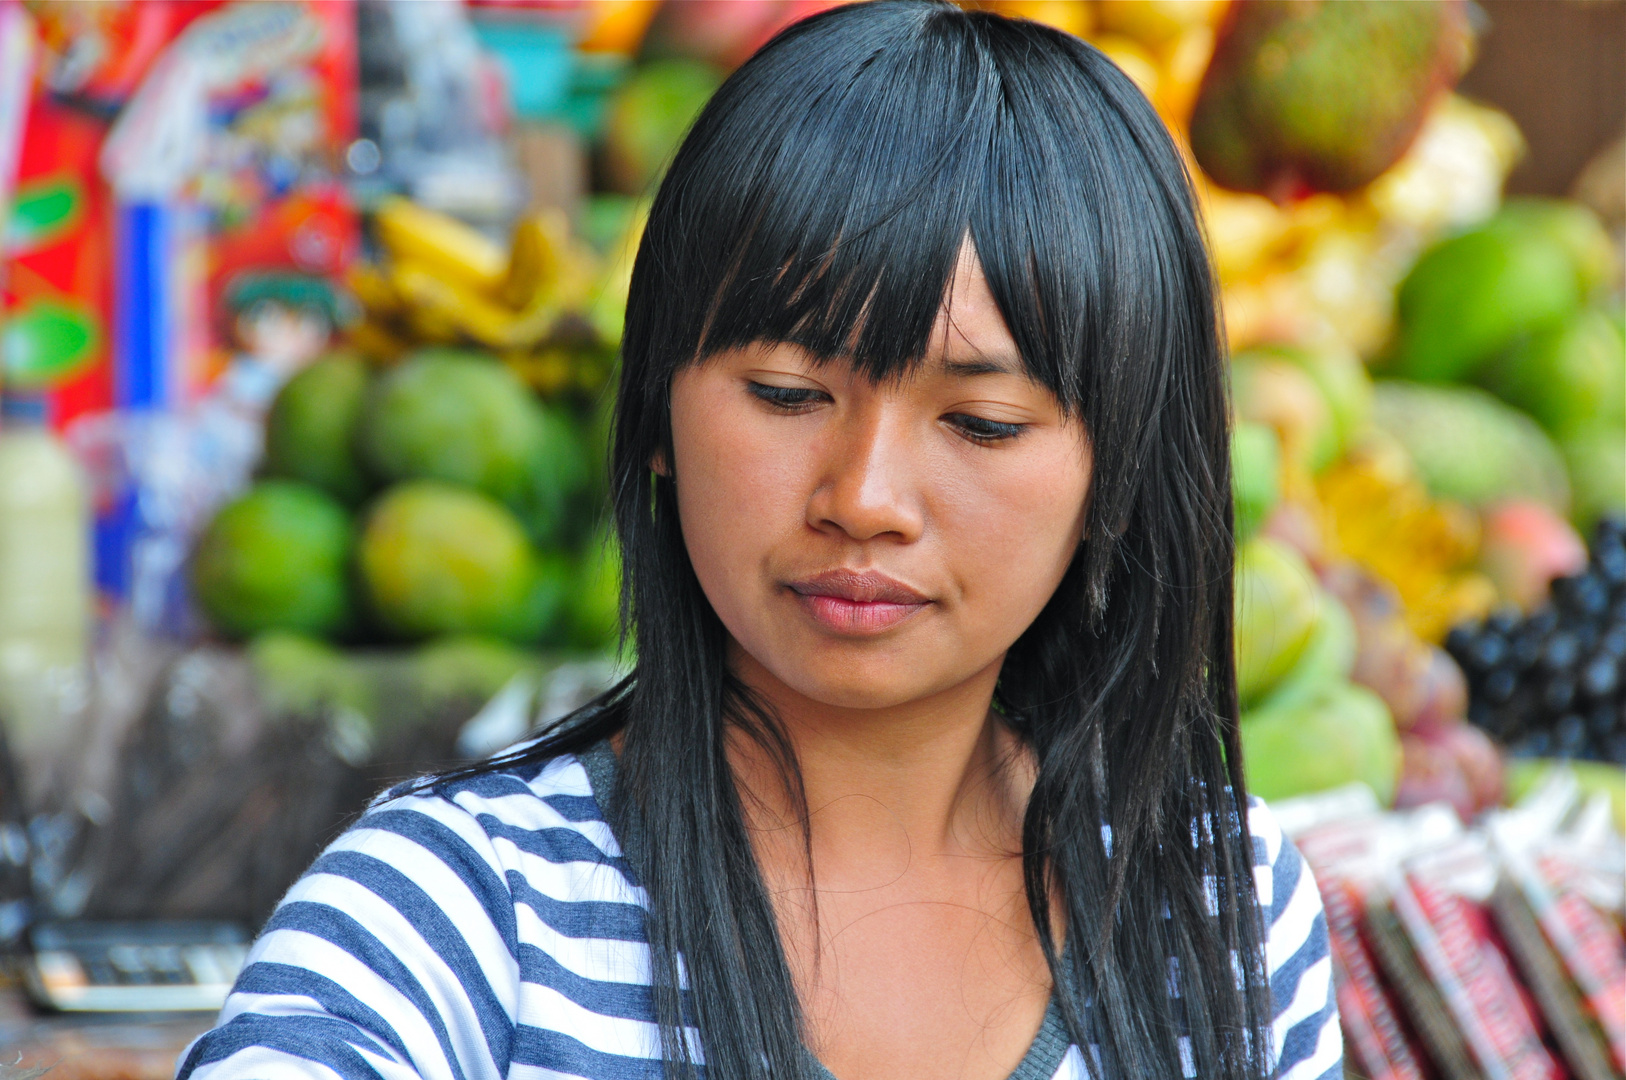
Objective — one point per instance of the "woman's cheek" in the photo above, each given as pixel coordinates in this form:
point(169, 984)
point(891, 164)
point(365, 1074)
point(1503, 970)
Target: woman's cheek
point(1016, 536)
point(737, 484)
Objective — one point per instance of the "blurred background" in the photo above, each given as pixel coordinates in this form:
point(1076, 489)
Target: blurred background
point(309, 318)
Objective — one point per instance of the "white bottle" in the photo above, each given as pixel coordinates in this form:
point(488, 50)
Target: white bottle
point(45, 605)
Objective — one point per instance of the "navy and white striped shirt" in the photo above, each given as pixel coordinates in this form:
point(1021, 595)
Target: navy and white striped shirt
point(490, 928)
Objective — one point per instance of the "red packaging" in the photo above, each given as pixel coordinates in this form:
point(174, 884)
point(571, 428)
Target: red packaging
point(1459, 951)
point(1375, 1034)
point(58, 273)
point(265, 208)
point(276, 206)
point(1574, 957)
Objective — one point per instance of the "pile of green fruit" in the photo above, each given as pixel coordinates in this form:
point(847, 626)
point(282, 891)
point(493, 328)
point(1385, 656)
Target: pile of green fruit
point(439, 497)
point(1524, 307)
point(1305, 725)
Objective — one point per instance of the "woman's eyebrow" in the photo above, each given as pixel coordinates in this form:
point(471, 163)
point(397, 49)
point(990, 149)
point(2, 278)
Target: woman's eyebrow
point(998, 364)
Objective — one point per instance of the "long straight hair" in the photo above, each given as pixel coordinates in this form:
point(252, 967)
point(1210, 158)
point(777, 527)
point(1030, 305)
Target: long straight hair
point(822, 198)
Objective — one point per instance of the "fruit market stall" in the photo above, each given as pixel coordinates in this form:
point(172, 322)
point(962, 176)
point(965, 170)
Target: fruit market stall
point(308, 362)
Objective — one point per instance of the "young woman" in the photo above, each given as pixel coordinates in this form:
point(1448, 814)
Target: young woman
point(929, 766)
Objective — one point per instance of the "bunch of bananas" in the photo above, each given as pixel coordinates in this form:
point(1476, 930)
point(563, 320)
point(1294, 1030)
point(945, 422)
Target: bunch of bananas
point(442, 282)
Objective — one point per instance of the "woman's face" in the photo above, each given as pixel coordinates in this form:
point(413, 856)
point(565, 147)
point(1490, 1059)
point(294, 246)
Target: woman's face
point(872, 545)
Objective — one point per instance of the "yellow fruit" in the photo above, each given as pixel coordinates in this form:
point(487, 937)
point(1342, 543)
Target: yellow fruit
point(1244, 231)
point(616, 26)
point(1133, 60)
point(1154, 22)
point(1376, 512)
point(451, 248)
point(1069, 16)
point(1277, 605)
point(377, 342)
point(1184, 61)
point(372, 288)
point(439, 302)
point(538, 257)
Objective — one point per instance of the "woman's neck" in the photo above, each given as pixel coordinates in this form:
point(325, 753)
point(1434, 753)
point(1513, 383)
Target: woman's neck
point(943, 775)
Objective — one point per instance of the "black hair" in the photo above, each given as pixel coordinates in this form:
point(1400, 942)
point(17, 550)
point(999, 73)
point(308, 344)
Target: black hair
point(822, 198)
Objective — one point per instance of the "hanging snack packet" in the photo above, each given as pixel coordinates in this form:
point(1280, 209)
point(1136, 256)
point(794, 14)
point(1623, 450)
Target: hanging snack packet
point(1472, 1012)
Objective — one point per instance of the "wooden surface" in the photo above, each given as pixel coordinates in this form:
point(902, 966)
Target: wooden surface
point(1558, 67)
point(91, 1047)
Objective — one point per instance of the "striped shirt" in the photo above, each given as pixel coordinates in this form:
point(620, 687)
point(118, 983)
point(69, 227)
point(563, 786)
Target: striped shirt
point(491, 927)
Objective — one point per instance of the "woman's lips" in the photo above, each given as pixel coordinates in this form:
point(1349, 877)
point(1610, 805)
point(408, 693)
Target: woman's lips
point(857, 601)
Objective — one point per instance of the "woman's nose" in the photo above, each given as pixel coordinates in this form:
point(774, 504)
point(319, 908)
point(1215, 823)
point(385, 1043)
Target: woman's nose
point(869, 481)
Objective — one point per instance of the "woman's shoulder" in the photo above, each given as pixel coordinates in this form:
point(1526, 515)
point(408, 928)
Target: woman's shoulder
point(1281, 880)
point(518, 808)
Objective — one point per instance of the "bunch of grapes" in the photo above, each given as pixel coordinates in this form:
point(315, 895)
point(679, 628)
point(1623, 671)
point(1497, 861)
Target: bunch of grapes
point(1554, 683)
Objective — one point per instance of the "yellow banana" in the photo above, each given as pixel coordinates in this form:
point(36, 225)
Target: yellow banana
point(372, 288)
point(538, 256)
point(377, 342)
point(440, 300)
point(453, 249)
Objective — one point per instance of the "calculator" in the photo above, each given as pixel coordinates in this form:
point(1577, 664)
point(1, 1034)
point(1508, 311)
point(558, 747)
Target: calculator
point(149, 966)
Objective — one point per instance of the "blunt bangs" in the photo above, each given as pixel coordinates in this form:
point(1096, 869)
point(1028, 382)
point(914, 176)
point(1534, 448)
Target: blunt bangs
point(825, 205)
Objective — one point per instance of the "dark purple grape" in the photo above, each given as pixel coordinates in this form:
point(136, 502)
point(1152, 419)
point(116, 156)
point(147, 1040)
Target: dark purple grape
point(1461, 639)
point(1600, 678)
point(1590, 596)
point(1603, 720)
point(1558, 695)
point(1486, 652)
point(1563, 652)
point(1500, 684)
point(1542, 622)
point(1610, 562)
point(1525, 649)
point(1569, 735)
point(1534, 744)
point(1615, 749)
point(1613, 641)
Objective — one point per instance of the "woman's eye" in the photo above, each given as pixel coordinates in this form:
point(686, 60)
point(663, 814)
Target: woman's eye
point(980, 429)
point(790, 398)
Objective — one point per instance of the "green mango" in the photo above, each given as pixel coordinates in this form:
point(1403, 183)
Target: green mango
point(648, 117)
point(438, 559)
point(1469, 446)
point(1473, 295)
point(1343, 380)
point(467, 666)
point(454, 416)
point(1277, 598)
point(1569, 376)
point(1336, 736)
point(553, 503)
point(1577, 229)
point(310, 431)
point(1270, 389)
point(1597, 468)
point(1256, 476)
point(1327, 659)
point(276, 558)
point(302, 675)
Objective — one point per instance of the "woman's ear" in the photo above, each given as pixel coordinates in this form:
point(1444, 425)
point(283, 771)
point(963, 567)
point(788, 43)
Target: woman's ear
point(658, 462)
